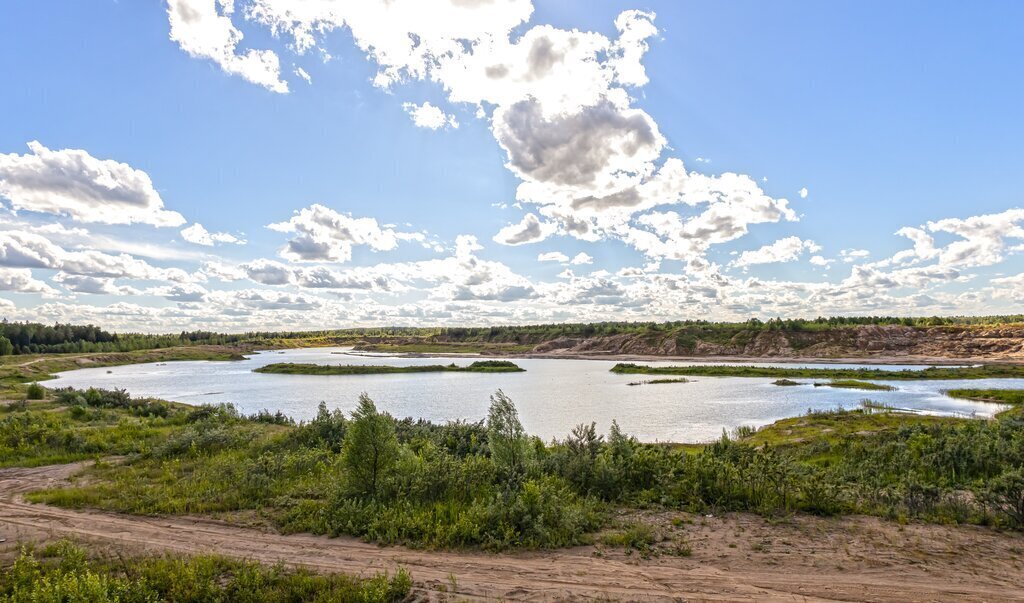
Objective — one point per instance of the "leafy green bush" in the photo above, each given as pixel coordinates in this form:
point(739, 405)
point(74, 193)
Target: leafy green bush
point(35, 392)
point(370, 450)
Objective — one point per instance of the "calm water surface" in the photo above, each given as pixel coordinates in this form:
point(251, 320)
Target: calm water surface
point(553, 395)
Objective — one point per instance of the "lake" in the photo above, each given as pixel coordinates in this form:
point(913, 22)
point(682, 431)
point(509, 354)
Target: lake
point(552, 396)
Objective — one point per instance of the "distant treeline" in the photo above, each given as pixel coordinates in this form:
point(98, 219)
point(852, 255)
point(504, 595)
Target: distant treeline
point(36, 338)
point(33, 338)
point(774, 324)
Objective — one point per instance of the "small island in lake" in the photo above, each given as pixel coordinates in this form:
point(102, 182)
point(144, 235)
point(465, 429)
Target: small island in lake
point(659, 381)
point(855, 384)
point(480, 366)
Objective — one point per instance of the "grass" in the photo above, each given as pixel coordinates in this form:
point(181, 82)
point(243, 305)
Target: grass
point(64, 571)
point(1001, 396)
point(56, 431)
point(659, 381)
point(786, 382)
point(855, 384)
point(835, 427)
point(481, 366)
point(634, 536)
point(988, 371)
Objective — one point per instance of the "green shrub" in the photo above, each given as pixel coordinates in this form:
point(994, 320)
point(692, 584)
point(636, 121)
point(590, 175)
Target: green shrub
point(35, 392)
point(370, 450)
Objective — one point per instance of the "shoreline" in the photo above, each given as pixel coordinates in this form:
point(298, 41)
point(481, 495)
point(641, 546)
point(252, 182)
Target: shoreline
point(879, 360)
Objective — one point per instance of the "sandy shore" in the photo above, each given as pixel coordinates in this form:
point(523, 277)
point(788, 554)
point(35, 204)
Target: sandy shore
point(873, 360)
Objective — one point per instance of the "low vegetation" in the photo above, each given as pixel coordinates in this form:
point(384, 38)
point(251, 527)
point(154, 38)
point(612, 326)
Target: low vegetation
point(786, 382)
point(659, 381)
point(65, 572)
point(489, 484)
point(1001, 396)
point(855, 384)
point(480, 366)
point(987, 371)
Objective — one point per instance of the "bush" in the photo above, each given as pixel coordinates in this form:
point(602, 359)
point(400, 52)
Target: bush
point(1005, 494)
point(271, 418)
point(35, 392)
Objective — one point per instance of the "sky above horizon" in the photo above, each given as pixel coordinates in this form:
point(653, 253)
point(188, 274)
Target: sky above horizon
point(286, 164)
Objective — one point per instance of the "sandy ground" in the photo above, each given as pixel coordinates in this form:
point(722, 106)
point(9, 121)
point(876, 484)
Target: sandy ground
point(735, 558)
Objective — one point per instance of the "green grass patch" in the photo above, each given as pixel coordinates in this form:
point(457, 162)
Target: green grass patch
point(480, 366)
point(634, 536)
point(659, 381)
point(988, 371)
point(836, 426)
point(786, 382)
point(80, 425)
point(855, 384)
point(64, 571)
point(1001, 396)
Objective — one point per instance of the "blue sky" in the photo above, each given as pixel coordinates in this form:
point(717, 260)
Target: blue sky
point(669, 143)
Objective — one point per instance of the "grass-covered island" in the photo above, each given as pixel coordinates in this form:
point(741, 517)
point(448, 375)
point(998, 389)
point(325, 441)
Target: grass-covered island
point(999, 396)
point(480, 366)
point(985, 371)
point(659, 381)
point(855, 384)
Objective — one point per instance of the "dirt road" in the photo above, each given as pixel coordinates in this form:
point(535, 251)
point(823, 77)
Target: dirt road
point(735, 558)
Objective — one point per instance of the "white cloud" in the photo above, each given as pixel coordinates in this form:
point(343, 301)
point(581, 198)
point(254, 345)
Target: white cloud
point(27, 250)
point(268, 272)
point(553, 256)
point(200, 236)
point(73, 183)
point(818, 260)
point(788, 249)
point(222, 271)
point(1016, 280)
point(581, 258)
point(264, 299)
point(20, 280)
point(180, 292)
point(803, 193)
point(601, 148)
point(429, 116)
point(852, 255)
point(92, 285)
point(529, 230)
point(203, 29)
point(406, 38)
point(299, 71)
point(983, 238)
point(324, 234)
point(559, 104)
